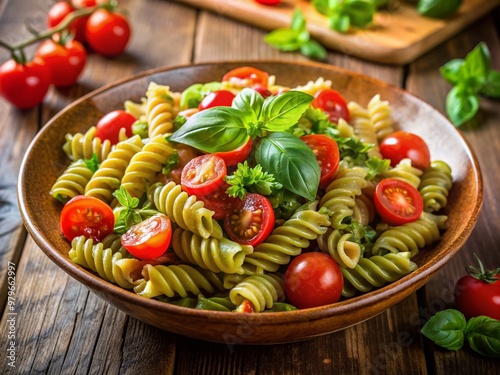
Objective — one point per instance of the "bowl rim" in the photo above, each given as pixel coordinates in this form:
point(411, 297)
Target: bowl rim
point(388, 291)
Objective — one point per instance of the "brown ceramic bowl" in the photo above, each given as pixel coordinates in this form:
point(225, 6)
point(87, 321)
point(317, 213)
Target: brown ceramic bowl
point(45, 160)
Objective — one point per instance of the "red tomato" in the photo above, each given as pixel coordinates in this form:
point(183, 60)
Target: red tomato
point(216, 99)
point(65, 63)
point(397, 201)
point(313, 279)
point(247, 76)
point(263, 91)
point(24, 85)
point(400, 145)
point(203, 175)
point(268, 2)
point(107, 33)
point(86, 216)
point(238, 155)
point(150, 238)
point(59, 11)
point(328, 155)
point(108, 127)
point(245, 307)
point(250, 220)
point(219, 202)
point(333, 103)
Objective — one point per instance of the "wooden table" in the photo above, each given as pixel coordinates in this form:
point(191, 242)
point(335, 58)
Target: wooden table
point(62, 328)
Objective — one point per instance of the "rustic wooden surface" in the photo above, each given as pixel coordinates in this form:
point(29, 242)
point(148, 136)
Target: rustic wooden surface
point(63, 328)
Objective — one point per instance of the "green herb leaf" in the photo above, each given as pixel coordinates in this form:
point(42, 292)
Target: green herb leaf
point(140, 128)
point(376, 166)
point(281, 112)
point(125, 199)
point(438, 8)
point(461, 105)
point(171, 164)
point(298, 21)
point(250, 179)
point(93, 163)
point(446, 329)
point(360, 12)
point(291, 162)
point(194, 94)
point(475, 70)
point(216, 129)
point(451, 71)
point(340, 22)
point(249, 102)
point(483, 335)
point(284, 39)
point(491, 88)
point(314, 50)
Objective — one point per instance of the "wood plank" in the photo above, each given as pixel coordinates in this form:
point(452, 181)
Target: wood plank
point(398, 35)
point(483, 134)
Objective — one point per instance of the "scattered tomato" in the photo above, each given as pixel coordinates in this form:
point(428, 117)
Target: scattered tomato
point(86, 216)
point(107, 33)
point(327, 152)
point(333, 103)
point(313, 279)
point(247, 76)
point(108, 126)
point(216, 99)
point(401, 145)
point(24, 85)
point(203, 175)
point(250, 220)
point(397, 201)
point(150, 238)
point(238, 155)
point(263, 91)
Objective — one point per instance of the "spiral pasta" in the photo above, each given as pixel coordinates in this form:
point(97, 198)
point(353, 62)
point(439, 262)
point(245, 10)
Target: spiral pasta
point(312, 87)
point(135, 109)
point(216, 255)
point(340, 247)
point(72, 181)
point(159, 110)
point(404, 171)
point(380, 116)
point(363, 127)
point(435, 185)
point(84, 146)
point(261, 290)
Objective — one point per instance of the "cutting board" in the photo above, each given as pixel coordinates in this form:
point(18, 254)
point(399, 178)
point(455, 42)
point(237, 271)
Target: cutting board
point(398, 35)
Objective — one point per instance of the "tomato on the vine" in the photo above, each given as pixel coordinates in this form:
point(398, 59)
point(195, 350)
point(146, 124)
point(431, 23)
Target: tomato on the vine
point(313, 279)
point(24, 85)
point(203, 175)
point(108, 126)
point(247, 76)
point(327, 153)
point(238, 155)
point(216, 99)
point(397, 201)
point(250, 219)
point(150, 238)
point(107, 33)
point(86, 216)
point(478, 293)
point(401, 145)
point(59, 11)
point(333, 104)
point(65, 62)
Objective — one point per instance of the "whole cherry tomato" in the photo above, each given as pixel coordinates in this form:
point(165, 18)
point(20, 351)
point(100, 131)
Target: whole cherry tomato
point(59, 11)
point(216, 99)
point(24, 85)
point(478, 293)
point(327, 153)
point(107, 32)
point(203, 175)
point(313, 279)
point(333, 103)
point(65, 62)
point(238, 155)
point(401, 145)
point(247, 76)
point(108, 126)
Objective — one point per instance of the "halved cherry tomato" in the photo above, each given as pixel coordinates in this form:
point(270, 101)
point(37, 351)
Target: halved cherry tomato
point(313, 279)
point(328, 156)
point(108, 126)
point(203, 175)
point(247, 76)
point(219, 202)
point(400, 145)
point(397, 201)
point(250, 220)
point(150, 238)
point(217, 98)
point(238, 155)
point(107, 33)
point(333, 103)
point(86, 216)
point(65, 62)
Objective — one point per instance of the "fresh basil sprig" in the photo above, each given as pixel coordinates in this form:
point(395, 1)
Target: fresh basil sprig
point(438, 8)
point(344, 14)
point(470, 77)
point(129, 214)
point(449, 329)
point(296, 38)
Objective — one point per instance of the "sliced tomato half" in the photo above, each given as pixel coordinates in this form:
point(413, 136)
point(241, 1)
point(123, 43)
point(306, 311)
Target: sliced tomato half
point(247, 76)
point(327, 153)
point(238, 155)
point(203, 175)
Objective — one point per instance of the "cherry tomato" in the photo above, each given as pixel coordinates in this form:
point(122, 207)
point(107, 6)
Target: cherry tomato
point(400, 145)
point(268, 2)
point(397, 201)
point(219, 202)
point(59, 11)
point(238, 155)
point(216, 99)
point(203, 175)
point(65, 63)
point(313, 279)
point(328, 156)
point(107, 33)
point(108, 126)
point(333, 103)
point(150, 238)
point(24, 85)
point(250, 220)
point(86, 216)
point(263, 91)
point(247, 76)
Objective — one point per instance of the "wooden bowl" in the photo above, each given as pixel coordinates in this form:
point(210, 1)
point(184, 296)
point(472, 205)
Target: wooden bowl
point(45, 161)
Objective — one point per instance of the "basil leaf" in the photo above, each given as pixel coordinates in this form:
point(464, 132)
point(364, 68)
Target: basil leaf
point(216, 129)
point(461, 105)
point(298, 21)
point(483, 335)
point(438, 8)
point(249, 102)
point(491, 87)
point(340, 22)
point(323, 7)
point(446, 329)
point(476, 67)
point(360, 12)
point(314, 50)
point(291, 161)
point(451, 71)
point(281, 112)
point(284, 39)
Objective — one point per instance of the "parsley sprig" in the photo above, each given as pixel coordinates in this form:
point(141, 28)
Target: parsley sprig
point(255, 180)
